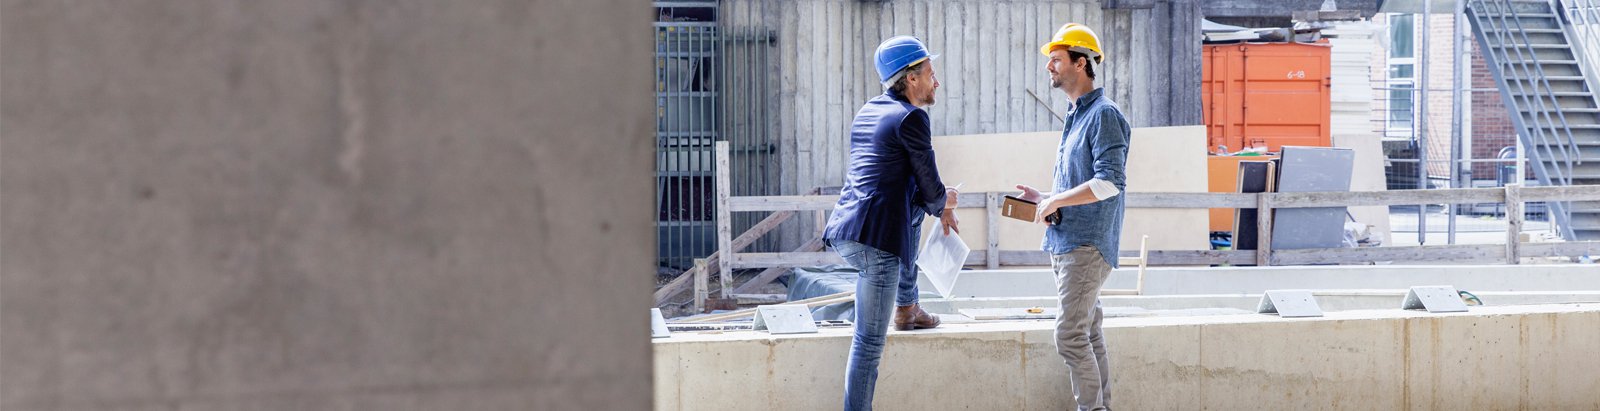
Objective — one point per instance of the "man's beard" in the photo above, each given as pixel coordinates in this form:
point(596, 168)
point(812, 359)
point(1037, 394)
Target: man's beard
point(1055, 83)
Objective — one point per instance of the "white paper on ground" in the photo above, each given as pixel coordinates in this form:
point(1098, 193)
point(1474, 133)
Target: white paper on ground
point(941, 258)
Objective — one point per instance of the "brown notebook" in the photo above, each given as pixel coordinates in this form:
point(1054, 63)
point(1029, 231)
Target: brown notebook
point(1019, 209)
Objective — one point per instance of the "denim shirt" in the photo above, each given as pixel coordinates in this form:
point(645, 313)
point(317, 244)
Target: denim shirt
point(1093, 145)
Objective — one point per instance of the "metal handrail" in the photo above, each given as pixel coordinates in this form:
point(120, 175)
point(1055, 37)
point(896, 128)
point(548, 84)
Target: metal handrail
point(1570, 150)
point(1525, 98)
point(1583, 33)
point(1583, 28)
point(1521, 97)
point(1528, 75)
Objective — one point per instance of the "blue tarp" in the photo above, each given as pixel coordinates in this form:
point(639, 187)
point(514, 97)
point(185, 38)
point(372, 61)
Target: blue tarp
point(813, 282)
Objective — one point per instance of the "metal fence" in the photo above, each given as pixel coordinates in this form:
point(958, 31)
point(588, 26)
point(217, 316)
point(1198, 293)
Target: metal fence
point(1584, 16)
point(713, 84)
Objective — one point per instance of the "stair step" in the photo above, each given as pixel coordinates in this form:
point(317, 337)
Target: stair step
point(1494, 16)
point(1570, 125)
point(1555, 93)
point(1561, 46)
point(1527, 30)
point(1564, 62)
point(1551, 78)
point(1576, 121)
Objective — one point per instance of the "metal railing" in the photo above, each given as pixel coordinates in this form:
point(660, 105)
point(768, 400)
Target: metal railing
point(714, 83)
point(1583, 24)
point(1513, 196)
point(1525, 88)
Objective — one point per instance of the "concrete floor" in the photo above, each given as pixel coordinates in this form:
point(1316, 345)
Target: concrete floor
point(1193, 341)
point(1509, 357)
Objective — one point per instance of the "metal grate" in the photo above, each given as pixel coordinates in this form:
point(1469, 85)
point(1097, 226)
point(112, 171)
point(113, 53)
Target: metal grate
point(713, 79)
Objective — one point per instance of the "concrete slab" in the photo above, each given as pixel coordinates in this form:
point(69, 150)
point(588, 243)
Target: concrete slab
point(1040, 282)
point(1328, 300)
point(1527, 357)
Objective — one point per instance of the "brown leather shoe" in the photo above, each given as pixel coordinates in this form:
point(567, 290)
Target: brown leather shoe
point(911, 317)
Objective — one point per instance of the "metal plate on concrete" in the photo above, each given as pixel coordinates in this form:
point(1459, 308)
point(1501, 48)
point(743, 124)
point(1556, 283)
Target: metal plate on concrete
point(658, 324)
point(1289, 304)
point(1434, 298)
point(785, 319)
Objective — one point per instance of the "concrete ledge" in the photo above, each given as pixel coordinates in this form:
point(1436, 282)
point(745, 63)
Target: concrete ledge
point(1254, 280)
point(1508, 357)
point(1328, 300)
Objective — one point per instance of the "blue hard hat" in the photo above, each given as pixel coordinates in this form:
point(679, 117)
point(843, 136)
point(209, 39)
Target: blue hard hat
point(897, 53)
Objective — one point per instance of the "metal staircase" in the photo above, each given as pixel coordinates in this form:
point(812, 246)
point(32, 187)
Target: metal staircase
point(1543, 57)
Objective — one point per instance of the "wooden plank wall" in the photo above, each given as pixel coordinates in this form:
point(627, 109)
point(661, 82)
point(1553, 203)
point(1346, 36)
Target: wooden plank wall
point(990, 70)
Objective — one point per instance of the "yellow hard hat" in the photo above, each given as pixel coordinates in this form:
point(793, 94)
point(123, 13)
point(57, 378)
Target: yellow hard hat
point(1076, 37)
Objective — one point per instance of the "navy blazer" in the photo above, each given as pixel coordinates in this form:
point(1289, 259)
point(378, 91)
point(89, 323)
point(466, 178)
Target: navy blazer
point(892, 180)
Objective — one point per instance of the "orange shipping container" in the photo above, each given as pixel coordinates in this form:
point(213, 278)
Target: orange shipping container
point(1271, 95)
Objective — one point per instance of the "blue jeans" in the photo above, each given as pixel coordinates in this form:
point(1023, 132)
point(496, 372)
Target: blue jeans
point(883, 279)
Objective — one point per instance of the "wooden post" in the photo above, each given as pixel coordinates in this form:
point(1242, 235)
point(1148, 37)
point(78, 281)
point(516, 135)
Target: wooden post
point(820, 219)
point(1513, 224)
point(701, 285)
point(1263, 229)
point(991, 212)
point(724, 220)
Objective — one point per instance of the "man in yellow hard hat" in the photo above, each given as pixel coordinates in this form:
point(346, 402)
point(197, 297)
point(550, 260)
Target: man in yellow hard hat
point(1083, 211)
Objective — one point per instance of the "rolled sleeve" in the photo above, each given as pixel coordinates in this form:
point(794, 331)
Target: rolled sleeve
point(1110, 149)
point(918, 140)
point(1102, 189)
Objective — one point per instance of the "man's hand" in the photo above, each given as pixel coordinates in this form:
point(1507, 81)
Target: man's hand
point(1048, 207)
point(1028, 193)
point(950, 221)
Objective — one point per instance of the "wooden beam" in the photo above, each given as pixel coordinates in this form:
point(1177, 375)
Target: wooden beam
point(1190, 200)
point(812, 302)
point(759, 299)
point(784, 260)
point(1230, 200)
point(1155, 257)
point(1565, 249)
point(713, 262)
point(1559, 193)
point(1455, 253)
point(1391, 197)
point(724, 218)
point(1513, 224)
point(992, 238)
point(1201, 257)
point(822, 202)
point(815, 244)
point(773, 203)
point(1264, 206)
point(701, 285)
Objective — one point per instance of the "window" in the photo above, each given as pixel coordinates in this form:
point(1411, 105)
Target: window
point(1400, 100)
point(1401, 35)
point(1400, 103)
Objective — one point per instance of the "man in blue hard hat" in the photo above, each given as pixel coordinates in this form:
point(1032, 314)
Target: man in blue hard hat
point(891, 184)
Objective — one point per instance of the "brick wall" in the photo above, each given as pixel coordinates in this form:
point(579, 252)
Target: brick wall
point(1491, 121)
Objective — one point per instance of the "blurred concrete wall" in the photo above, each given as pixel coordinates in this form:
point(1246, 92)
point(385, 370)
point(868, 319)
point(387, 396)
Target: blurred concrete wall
point(319, 204)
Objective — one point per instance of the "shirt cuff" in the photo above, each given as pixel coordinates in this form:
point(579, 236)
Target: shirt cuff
point(1103, 189)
